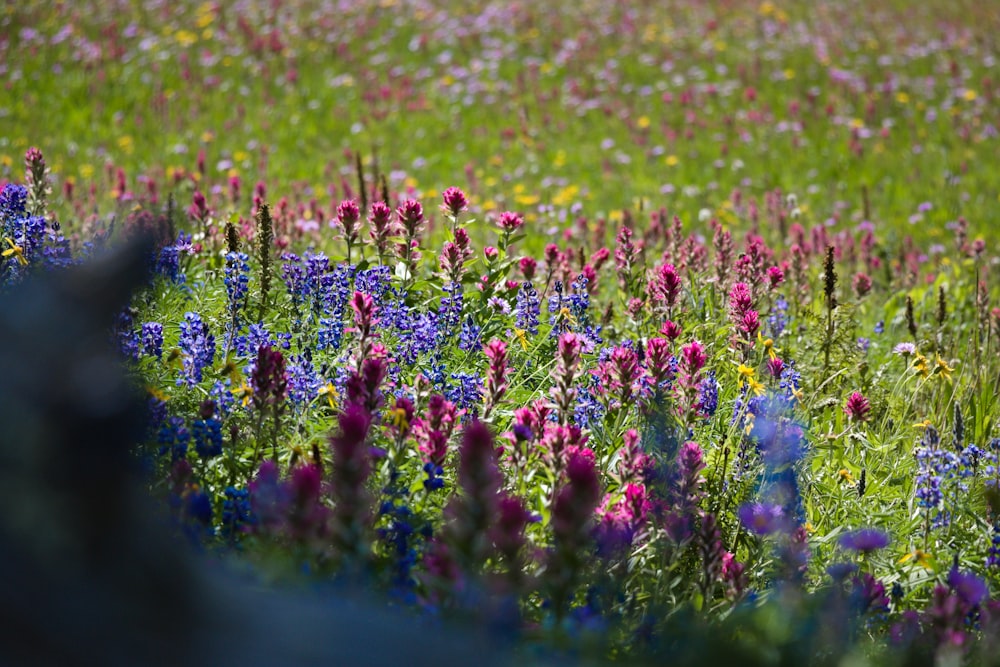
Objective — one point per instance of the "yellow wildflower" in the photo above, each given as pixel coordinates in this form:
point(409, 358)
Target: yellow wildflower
point(521, 338)
point(920, 557)
point(943, 369)
point(330, 392)
point(17, 251)
point(244, 393)
point(920, 363)
point(845, 475)
point(157, 393)
point(768, 345)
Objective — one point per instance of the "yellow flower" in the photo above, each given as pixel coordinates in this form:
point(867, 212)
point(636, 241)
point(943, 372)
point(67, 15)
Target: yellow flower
point(943, 369)
point(244, 392)
point(920, 363)
point(920, 557)
point(17, 251)
point(330, 392)
point(157, 393)
point(565, 315)
point(922, 425)
point(768, 345)
point(521, 338)
point(399, 419)
point(747, 374)
point(845, 475)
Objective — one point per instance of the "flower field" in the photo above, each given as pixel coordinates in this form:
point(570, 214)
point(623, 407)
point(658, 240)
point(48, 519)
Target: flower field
point(626, 331)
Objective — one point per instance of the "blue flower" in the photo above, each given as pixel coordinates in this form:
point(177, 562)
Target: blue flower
point(528, 308)
point(237, 281)
point(468, 337)
point(151, 339)
point(207, 434)
point(198, 345)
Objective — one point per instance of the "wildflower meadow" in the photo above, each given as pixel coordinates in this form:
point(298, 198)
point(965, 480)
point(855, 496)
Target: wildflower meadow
point(627, 332)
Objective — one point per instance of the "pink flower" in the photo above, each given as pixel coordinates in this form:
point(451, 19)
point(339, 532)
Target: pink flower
point(857, 407)
point(671, 330)
point(510, 222)
point(527, 265)
point(455, 201)
point(862, 284)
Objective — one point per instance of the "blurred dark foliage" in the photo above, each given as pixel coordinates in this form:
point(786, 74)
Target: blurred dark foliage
point(92, 573)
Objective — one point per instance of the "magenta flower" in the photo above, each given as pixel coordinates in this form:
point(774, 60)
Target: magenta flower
point(671, 330)
point(269, 380)
point(411, 217)
point(658, 361)
point(381, 224)
point(528, 265)
point(862, 284)
point(510, 222)
point(775, 276)
point(455, 201)
point(496, 375)
point(857, 407)
point(348, 215)
point(666, 285)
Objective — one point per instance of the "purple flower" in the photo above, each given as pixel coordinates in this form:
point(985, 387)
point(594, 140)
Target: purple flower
point(864, 540)
point(970, 589)
point(762, 519)
point(841, 571)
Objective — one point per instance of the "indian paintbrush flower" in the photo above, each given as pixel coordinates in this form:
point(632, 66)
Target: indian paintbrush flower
point(857, 407)
point(496, 376)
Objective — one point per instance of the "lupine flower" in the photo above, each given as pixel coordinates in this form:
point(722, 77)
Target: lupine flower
point(198, 346)
point(237, 281)
point(207, 432)
point(708, 395)
point(528, 309)
point(151, 339)
point(857, 407)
